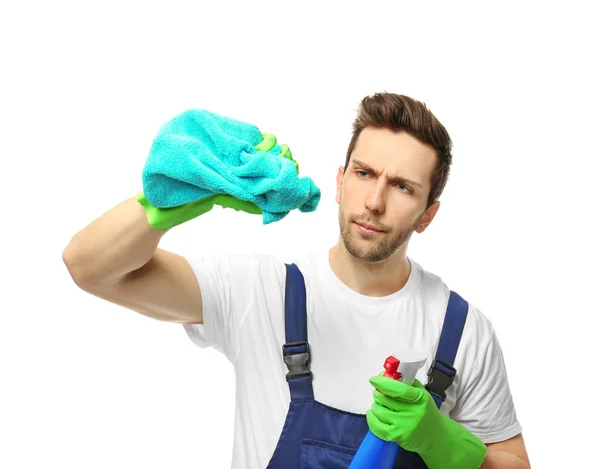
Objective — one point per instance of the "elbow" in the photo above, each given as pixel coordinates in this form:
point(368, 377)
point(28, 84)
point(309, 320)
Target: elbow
point(75, 262)
point(87, 269)
point(70, 261)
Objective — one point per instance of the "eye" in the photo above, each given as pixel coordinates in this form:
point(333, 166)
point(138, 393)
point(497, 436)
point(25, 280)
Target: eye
point(362, 174)
point(406, 188)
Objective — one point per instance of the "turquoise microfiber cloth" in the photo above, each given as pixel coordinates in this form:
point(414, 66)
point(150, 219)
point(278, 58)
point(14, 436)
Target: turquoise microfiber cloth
point(198, 154)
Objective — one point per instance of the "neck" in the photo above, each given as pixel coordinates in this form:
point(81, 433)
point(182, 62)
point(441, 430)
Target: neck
point(370, 278)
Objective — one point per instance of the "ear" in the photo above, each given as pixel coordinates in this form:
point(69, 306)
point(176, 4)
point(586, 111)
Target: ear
point(428, 217)
point(339, 180)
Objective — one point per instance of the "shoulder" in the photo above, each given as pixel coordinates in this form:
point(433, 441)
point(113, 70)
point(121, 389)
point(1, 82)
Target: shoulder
point(245, 267)
point(314, 266)
point(478, 331)
point(433, 284)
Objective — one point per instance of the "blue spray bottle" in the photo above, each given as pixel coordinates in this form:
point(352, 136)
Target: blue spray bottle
point(373, 452)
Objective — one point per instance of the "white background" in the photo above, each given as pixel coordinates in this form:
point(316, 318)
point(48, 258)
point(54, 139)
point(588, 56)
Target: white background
point(85, 87)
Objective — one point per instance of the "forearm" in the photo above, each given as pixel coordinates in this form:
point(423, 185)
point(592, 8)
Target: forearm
point(115, 244)
point(462, 445)
point(495, 459)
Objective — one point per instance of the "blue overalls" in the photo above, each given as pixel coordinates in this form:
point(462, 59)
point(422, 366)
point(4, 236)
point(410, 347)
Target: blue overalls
point(317, 436)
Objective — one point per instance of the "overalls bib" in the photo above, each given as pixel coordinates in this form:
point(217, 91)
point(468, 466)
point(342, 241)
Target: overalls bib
point(317, 436)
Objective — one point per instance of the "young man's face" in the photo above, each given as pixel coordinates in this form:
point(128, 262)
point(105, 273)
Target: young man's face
point(385, 187)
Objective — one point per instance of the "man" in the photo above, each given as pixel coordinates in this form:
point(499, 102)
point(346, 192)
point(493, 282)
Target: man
point(339, 312)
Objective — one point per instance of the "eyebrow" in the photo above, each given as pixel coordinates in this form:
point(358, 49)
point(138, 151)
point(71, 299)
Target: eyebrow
point(395, 179)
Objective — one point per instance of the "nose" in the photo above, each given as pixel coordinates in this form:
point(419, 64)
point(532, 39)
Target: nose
point(376, 199)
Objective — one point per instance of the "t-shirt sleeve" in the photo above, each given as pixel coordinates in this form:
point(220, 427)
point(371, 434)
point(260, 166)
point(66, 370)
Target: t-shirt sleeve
point(226, 291)
point(485, 405)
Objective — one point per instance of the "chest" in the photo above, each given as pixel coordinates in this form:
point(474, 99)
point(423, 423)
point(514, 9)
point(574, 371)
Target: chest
point(348, 347)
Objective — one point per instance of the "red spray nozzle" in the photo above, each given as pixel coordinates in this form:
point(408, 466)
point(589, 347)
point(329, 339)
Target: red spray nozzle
point(391, 366)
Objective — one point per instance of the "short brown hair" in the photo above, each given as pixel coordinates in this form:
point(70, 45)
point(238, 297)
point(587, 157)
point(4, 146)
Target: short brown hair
point(401, 113)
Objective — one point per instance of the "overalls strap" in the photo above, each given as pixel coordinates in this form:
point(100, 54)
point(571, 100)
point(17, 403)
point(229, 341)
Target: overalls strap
point(296, 352)
point(441, 372)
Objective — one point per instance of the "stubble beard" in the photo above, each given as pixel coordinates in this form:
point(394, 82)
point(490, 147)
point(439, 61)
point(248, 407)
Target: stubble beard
point(374, 250)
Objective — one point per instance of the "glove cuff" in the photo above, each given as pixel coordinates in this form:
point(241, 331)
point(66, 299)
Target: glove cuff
point(457, 448)
point(164, 219)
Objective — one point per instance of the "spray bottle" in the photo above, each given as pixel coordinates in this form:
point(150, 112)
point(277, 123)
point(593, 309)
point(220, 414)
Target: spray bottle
point(373, 452)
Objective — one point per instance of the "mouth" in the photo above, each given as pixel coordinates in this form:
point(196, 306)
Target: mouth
point(368, 229)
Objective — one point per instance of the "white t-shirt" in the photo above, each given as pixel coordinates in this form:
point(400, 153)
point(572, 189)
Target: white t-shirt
point(350, 336)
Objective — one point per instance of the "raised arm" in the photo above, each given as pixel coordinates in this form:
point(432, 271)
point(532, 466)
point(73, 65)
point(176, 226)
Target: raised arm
point(116, 257)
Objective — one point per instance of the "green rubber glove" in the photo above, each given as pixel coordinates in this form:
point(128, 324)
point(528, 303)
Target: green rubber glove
point(409, 416)
point(166, 218)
